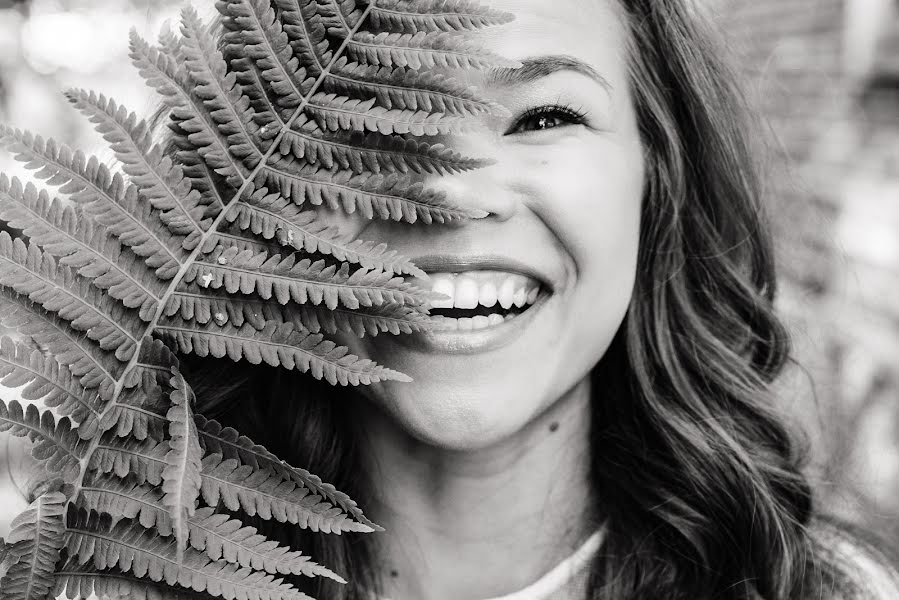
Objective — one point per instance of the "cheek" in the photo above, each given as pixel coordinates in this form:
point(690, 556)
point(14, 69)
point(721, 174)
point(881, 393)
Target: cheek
point(590, 194)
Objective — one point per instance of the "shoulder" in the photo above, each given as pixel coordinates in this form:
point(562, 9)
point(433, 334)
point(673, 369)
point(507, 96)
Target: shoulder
point(853, 564)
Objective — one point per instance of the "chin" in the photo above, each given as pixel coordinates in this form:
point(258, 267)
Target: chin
point(467, 418)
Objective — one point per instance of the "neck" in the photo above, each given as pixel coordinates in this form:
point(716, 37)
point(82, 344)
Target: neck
point(466, 525)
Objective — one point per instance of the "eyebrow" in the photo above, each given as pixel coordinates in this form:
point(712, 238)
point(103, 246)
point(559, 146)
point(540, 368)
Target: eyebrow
point(537, 67)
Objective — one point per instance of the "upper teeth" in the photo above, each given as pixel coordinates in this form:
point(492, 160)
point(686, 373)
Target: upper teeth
point(487, 288)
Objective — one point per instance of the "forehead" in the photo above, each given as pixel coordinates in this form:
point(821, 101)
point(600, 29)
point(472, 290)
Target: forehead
point(590, 30)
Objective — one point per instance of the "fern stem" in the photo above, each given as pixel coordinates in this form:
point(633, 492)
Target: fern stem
point(219, 219)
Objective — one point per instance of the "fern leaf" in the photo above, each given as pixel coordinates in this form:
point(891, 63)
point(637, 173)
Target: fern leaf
point(76, 580)
point(432, 15)
point(305, 29)
point(131, 548)
point(273, 216)
point(375, 196)
point(139, 409)
point(55, 443)
point(143, 460)
point(94, 367)
point(228, 443)
point(219, 91)
point(420, 51)
point(257, 34)
point(181, 477)
point(107, 196)
point(372, 152)
point(266, 494)
point(162, 74)
point(125, 499)
point(60, 231)
point(46, 381)
point(57, 289)
point(37, 538)
point(222, 537)
point(399, 88)
point(278, 345)
point(195, 304)
point(336, 113)
point(289, 280)
point(159, 180)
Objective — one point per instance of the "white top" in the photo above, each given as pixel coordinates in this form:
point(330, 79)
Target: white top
point(559, 576)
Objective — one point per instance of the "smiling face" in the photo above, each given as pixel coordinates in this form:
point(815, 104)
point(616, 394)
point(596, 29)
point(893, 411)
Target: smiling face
point(564, 199)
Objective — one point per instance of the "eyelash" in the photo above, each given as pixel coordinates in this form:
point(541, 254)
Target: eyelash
point(566, 112)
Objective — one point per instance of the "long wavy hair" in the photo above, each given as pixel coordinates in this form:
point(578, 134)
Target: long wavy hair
point(697, 477)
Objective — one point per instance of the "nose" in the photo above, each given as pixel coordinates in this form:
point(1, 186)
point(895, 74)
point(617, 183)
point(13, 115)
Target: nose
point(485, 188)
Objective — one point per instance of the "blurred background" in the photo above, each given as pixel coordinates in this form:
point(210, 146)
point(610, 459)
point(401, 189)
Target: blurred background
point(823, 73)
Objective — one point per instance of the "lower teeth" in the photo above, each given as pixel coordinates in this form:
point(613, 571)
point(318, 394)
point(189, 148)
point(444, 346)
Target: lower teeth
point(442, 323)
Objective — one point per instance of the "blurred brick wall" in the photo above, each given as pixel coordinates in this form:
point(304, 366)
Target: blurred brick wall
point(825, 75)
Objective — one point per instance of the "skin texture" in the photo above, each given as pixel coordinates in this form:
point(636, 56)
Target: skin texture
point(481, 462)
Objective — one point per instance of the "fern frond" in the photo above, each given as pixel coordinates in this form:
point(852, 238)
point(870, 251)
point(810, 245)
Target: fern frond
point(278, 345)
point(267, 494)
point(107, 196)
point(131, 548)
point(420, 51)
point(87, 581)
point(371, 152)
point(181, 477)
point(335, 113)
point(195, 304)
point(432, 15)
point(399, 88)
point(30, 272)
point(55, 443)
point(273, 216)
point(36, 537)
point(125, 499)
point(94, 367)
point(304, 281)
point(60, 231)
point(159, 180)
point(228, 443)
point(162, 74)
point(143, 460)
point(257, 34)
point(139, 409)
point(386, 197)
point(46, 381)
point(222, 537)
point(219, 91)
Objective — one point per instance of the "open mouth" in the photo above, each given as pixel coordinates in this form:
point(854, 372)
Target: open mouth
point(481, 299)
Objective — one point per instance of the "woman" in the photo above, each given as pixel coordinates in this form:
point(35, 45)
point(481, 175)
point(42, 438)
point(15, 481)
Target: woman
point(593, 418)
point(623, 420)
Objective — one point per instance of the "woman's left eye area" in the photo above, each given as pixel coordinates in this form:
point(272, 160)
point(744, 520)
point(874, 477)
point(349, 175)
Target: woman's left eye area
point(547, 117)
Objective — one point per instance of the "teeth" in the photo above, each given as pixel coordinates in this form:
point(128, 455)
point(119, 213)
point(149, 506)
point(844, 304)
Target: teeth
point(520, 297)
point(441, 323)
point(485, 288)
point(467, 292)
point(488, 294)
point(505, 293)
point(443, 286)
point(480, 322)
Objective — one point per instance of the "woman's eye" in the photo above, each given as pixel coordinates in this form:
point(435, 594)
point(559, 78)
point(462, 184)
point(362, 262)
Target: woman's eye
point(545, 118)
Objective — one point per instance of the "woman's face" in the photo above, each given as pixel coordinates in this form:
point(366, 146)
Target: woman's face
point(563, 198)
